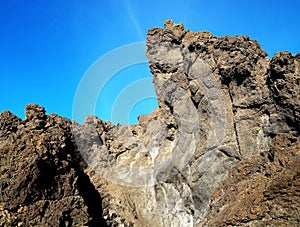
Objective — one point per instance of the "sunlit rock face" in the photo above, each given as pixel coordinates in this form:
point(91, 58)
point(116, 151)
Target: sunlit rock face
point(222, 148)
point(219, 107)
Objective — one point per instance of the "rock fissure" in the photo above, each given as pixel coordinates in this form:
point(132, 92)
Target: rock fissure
point(234, 124)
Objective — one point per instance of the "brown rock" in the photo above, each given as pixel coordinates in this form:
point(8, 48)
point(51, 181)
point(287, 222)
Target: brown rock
point(42, 182)
point(222, 149)
point(261, 190)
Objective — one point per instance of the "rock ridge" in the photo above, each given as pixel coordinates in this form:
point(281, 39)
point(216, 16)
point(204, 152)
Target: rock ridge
point(222, 149)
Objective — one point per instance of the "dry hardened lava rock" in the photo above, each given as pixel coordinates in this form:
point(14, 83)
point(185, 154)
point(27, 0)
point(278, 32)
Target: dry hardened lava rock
point(251, 177)
point(42, 180)
point(233, 166)
point(261, 191)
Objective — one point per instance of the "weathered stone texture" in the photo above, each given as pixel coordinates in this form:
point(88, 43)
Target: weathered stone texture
point(42, 180)
point(222, 149)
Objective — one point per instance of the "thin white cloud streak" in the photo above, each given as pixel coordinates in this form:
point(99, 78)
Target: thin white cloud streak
point(134, 20)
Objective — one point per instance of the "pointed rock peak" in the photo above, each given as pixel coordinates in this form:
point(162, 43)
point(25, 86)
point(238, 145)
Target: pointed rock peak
point(34, 111)
point(8, 116)
point(171, 25)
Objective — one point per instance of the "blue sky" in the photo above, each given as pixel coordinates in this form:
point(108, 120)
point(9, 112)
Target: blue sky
point(47, 46)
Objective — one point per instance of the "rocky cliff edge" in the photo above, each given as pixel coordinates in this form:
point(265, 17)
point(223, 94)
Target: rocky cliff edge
point(222, 149)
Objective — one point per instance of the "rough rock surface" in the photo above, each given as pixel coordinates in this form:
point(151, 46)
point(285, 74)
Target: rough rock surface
point(222, 149)
point(42, 179)
point(262, 190)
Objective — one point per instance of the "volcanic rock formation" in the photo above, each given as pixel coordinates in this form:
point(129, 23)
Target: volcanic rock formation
point(222, 149)
point(42, 176)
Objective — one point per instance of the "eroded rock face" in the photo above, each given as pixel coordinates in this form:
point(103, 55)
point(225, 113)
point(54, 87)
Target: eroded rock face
point(261, 190)
point(42, 179)
point(222, 103)
point(221, 149)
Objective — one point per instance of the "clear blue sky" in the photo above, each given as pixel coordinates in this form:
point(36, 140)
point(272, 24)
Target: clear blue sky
point(47, 46)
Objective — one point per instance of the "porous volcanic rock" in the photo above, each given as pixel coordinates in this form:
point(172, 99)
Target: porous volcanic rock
point(261, 190)
point(42, 179)
point(222, 149)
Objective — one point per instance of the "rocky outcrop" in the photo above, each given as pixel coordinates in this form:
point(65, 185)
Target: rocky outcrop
point(42, 179)
point(221, 149)
point(262, 190)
